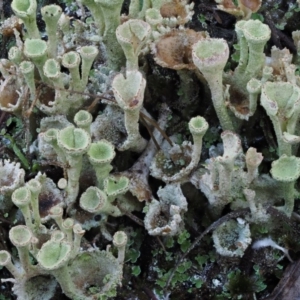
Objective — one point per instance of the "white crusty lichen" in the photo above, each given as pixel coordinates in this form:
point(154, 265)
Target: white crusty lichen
point(232, 238)
point(11, 177)
point(227, 176)
point(165, 217)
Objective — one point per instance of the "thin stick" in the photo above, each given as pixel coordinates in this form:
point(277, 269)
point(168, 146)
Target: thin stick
point(161, 244)
point(28, 112)
point(131, 216)
point(150, 132)
point(157, 127)
point(93, 104)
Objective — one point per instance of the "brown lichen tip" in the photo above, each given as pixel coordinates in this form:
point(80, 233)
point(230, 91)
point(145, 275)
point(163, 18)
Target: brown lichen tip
point(253, 5)
point(229, 7)
point(50, 197)
point(10, 99)
point(9, 25)
point(177, 10)
point(173, 50)
point(244, 9)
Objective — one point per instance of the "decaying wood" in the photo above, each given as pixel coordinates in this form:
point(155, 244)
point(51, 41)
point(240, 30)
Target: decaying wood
point(288, 287)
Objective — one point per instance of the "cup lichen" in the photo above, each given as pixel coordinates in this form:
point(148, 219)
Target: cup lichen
point(99, 155)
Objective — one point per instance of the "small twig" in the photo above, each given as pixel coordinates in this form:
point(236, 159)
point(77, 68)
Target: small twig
point(161, 243)
point(26, 95)
point(278, 35)
point(96, 238)
point(149, 293)
point(131, 216)
point(3, 114)
point(213, 226)
point(150, 132)
point(157, 127)
point(93, 104)
point(2, 220)
point(28, 112)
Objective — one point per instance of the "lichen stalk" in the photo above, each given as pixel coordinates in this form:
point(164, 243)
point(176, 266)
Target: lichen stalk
point(211, 64)
point(35, 188)
point(51, 15)
point(244, 52)
point(62, 275)
point(5, 261)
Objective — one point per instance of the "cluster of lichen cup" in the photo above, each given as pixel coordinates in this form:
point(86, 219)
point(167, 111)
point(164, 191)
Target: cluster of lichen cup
point(50, 247)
